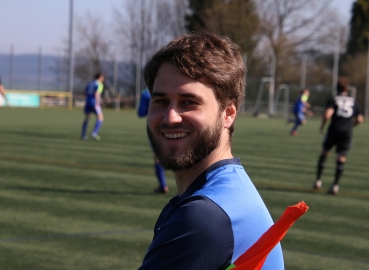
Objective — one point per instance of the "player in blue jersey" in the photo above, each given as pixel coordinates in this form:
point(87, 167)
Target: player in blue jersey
point(93, 96)
point(300, 108)
point(159, 170)
point(344, 113)
point(197, 85)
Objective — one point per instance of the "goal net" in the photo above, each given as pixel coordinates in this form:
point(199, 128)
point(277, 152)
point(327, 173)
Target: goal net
point(260, 102)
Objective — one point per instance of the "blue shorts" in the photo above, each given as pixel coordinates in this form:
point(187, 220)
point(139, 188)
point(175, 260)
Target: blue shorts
point(89, 108)
point(300, 117)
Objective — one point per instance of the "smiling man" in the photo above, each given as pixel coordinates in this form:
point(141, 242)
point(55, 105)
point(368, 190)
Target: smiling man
point(197, 85)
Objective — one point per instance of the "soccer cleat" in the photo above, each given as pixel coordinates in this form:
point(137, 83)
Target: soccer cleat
point(95, 136)
point(85, 138)
point(294, 133)
point(317, 184)
point(163, 190)
point(333, 190)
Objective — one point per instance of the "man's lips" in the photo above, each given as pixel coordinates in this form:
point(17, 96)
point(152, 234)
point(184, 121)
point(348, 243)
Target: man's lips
point(175, 135)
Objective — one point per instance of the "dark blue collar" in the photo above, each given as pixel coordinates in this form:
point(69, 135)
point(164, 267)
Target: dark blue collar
point(200, 181)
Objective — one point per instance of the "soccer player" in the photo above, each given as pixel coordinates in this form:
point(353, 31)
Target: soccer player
point(2, 92)
point(93, 95)
point(344, 114)
point(197, 84)
point(299, 109)
point(159, 170)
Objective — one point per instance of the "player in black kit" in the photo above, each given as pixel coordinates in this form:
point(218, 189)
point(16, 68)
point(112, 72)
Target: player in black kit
point(344, 113)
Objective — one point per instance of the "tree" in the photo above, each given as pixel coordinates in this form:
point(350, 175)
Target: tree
point(354, 64)
point(354, 68)
point(359, 28)
point(292, 27)
point(236, 19)
point(92, 49)
point(196, 20)
point(91, 52)
point(142, 27)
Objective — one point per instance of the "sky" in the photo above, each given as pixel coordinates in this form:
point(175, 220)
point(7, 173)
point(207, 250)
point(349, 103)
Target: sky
point(30, 25)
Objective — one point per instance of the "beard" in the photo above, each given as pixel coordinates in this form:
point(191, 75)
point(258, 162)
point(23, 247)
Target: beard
point(200, 147)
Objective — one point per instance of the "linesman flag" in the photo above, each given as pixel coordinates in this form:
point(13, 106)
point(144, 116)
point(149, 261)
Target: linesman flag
point(255, 256)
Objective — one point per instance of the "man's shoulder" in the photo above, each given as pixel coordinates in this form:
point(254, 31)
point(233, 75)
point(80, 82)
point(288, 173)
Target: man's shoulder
point(195, 215)
point(189, 209)
point(92, 84)
point(230, 180)
point(195, 233)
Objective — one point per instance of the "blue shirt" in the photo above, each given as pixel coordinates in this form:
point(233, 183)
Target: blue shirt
point(143, 108)
point(217, 219)
point(299, 105)
point(90, 91)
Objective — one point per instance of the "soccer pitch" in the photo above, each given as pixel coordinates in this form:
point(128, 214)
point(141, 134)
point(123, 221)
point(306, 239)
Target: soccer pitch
point(72, 204)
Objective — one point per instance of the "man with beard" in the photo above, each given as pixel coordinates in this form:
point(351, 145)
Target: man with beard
point(197, 85)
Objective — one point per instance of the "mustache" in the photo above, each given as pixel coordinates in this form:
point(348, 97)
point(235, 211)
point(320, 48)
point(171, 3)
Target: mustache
point(164, 127)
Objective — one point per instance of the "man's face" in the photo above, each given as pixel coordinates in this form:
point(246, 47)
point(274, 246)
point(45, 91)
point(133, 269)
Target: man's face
point(184, 123)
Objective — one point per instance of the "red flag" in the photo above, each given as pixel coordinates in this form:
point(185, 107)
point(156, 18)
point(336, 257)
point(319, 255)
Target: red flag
point(255, 256)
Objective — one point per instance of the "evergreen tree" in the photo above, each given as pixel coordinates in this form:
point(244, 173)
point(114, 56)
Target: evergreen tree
point(236, 19)
point(359, 28)
point(197, 19)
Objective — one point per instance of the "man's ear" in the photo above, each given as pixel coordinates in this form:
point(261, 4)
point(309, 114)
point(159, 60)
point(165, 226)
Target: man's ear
point(229, 115)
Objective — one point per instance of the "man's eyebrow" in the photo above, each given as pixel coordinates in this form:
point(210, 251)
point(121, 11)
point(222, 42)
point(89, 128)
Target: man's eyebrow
point(157, 94)
point(184, 95)
point(190, 95)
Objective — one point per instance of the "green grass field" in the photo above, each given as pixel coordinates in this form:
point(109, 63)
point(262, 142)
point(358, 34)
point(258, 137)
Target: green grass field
point(72, 204)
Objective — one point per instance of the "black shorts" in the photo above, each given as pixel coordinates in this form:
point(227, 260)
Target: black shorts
point(343, 142)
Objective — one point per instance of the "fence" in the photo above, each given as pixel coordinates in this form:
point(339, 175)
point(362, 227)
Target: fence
point(35, 71)
point(38, 72)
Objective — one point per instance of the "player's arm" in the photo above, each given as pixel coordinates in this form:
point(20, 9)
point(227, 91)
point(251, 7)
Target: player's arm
point(326, 117)
point(307, 104)
point(97, 98)
point(307, 111)
point(359, 119)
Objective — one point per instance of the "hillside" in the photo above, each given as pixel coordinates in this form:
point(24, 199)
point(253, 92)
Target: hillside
point(26, 72)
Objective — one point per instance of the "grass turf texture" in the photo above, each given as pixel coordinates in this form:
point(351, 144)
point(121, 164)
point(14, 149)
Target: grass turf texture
point(72, 204)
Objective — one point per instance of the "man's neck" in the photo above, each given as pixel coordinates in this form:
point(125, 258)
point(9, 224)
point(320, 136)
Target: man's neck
point(186, 177)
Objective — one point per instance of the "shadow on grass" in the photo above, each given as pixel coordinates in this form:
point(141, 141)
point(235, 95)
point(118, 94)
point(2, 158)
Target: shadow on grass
point(309, 191)
point(52, 236)
point(80, 191)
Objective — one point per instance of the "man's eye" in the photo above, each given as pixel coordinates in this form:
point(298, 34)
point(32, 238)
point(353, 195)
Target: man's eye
point(160, 101)
point(189, 102)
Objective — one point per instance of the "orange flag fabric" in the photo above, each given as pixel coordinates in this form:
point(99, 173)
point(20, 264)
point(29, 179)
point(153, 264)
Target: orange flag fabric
point(255, 256)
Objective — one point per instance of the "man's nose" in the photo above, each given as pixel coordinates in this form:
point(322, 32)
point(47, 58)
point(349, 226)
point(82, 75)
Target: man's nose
point(172, 115)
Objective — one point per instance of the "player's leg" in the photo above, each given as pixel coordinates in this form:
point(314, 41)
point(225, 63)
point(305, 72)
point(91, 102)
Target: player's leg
point(340, 166)
point(321, 165)
point(328, 143)
point(290, 120)
point(343, 148)
point(85, 123)
point(98, 123)
point(300, 120)
point(159, 171)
